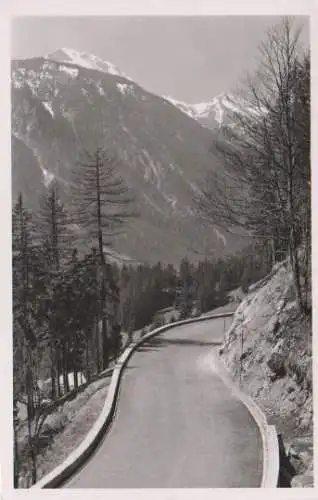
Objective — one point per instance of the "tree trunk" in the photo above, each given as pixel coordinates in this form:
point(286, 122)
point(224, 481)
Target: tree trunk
point(33, 460)
point(88, 368)
point(16, 463)
point(97, 348)
point(16, 451)
point(66, 386)
point(67, 382)
point(29, 389)
point(105, 344)
point(53, 373)
point(59, 373)
point(75, 378)
point(102, 266)
point(241, 357)
point(293, 254)
point(53, 384)
point(273, 249)
point(307, 259)
point(30, 416)
point(292, 240)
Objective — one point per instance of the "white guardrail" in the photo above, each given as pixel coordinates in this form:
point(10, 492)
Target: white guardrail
point(77, 458)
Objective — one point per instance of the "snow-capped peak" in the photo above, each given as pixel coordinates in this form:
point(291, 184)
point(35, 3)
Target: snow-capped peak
point(214, 107)
point(217, 108)
point(85, 60)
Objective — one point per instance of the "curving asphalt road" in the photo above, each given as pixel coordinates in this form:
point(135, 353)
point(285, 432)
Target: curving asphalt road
point(177, 425)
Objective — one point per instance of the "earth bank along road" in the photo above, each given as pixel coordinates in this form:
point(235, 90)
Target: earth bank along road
point(177, 425)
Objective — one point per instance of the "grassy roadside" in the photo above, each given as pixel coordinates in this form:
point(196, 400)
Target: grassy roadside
point(67, 428)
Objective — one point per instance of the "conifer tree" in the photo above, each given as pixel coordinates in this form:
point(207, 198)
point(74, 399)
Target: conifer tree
point(102, 205)
point(26, 337)
point(54, 235)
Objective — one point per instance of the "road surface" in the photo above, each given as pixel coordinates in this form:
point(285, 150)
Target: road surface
point(177, 425)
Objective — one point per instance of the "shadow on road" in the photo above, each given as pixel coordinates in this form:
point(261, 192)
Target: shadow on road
point(154, 344)
point(191, 342)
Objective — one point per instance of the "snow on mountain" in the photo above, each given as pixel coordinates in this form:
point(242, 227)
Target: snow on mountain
point(124, 88)
point(164, 155)
point(214, 113)
point(72, 72)
point(210, 112)
point(84, 59)
point(188, 109)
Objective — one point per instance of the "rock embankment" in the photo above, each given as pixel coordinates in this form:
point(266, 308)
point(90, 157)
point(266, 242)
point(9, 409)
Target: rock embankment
point(268, 350)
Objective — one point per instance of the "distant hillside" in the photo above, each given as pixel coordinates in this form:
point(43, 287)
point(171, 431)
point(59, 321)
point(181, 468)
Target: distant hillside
point(75, 99)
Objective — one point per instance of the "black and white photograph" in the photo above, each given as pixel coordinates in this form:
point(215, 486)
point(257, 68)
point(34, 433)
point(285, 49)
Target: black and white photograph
point(161, 252)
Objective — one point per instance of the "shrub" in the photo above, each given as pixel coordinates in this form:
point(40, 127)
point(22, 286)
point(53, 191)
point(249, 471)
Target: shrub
point(143, 332)
point(277, 364)
point(158, 321)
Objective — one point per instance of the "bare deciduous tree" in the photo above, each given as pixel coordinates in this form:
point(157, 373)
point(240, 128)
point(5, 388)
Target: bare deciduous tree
point(265, 153)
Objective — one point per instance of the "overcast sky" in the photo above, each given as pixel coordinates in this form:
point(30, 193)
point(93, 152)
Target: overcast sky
point(188, 58)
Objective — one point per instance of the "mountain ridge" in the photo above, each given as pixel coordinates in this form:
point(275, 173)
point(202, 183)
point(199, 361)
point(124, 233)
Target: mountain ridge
point(58, 106)
point(216, 112)
point(208, 113)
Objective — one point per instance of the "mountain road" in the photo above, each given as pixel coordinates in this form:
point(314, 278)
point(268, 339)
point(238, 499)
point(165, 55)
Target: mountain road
point(176, 425)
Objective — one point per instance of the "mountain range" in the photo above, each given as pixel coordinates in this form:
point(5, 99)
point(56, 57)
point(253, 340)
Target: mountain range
point(68, 100)
point(212, 113)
